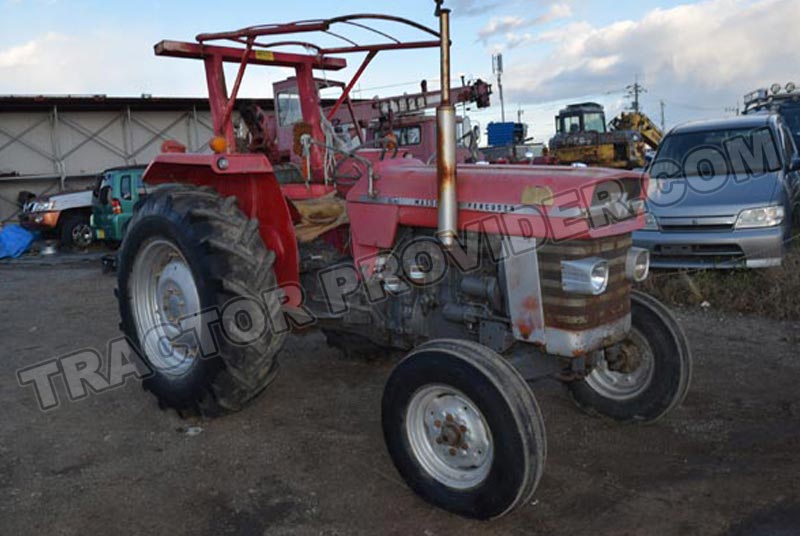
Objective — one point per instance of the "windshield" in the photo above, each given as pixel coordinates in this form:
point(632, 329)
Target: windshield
point(594, 122)
point(570, 124)
point(717, 152)
point(289, 111)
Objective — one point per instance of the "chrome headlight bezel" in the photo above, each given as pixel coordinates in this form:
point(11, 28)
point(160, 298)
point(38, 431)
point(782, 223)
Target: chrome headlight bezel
point(761, 217)
point(637, 264)
point(588, 277)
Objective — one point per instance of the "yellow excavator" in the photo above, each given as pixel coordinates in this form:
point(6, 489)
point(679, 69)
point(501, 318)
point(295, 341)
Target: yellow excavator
point(582, 136)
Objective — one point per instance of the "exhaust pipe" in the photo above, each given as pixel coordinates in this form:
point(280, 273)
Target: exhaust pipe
point(446, 140)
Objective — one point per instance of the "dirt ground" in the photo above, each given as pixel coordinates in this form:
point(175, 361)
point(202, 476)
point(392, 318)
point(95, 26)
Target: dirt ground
point(308, 456)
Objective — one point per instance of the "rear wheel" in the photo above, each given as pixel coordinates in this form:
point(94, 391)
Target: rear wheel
point(464, 429)
point(195, 288)
point(76, 231)
point(644, 377)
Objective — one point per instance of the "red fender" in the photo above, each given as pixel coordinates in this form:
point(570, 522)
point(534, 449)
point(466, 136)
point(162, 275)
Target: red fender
point(250, 178)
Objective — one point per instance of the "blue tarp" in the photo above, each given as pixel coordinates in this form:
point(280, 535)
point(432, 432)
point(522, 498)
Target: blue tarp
point(14, 241)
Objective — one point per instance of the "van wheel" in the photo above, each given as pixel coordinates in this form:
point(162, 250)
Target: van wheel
point(76, 232)
point(195, 287)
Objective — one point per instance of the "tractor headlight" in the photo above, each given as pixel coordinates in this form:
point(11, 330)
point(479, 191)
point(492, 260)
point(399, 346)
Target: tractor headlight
point(753, 218)
point(637, 264)
point(585, 276)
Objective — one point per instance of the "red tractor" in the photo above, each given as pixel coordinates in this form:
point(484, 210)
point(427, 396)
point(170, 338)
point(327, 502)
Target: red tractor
point(488, 276)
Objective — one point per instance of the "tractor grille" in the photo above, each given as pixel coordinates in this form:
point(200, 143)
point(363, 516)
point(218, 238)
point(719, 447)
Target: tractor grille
point(574, 312)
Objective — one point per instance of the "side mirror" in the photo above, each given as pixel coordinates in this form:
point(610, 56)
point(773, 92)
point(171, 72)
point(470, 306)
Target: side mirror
point(794, 165)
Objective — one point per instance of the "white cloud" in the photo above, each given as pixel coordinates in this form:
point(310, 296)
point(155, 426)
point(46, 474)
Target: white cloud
point(507, 24)
point(498, 25)
point(109, 62)
point(19, 55)
point(709, 53)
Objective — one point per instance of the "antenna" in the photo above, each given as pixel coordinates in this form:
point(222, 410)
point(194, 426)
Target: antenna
point(497, 69)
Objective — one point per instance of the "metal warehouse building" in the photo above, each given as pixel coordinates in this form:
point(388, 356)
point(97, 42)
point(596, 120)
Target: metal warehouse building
point(52, 143)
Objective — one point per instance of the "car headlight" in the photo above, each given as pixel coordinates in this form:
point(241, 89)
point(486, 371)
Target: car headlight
point(753, 218)
point(43, 206)
point(637, 264)
point(585, 276)
point(650, 222)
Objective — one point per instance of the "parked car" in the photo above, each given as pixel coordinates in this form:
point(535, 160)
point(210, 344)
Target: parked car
point(722, 194)
point(115, 195)
point(65, 216)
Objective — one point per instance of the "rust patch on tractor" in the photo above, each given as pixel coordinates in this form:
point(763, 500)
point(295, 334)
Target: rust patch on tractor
point(537, 195)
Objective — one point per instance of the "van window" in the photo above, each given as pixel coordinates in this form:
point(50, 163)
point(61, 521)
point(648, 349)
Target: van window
point(125, 187)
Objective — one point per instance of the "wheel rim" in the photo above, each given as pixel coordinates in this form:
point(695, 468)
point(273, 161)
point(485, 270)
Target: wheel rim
point(449, 436)
point(163, 292)
point(621, 386)
point(82, 235)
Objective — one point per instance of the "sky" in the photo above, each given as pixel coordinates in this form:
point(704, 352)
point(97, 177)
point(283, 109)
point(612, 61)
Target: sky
point(698, 58)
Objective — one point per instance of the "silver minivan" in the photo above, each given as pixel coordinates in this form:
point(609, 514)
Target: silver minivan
point(722, 194)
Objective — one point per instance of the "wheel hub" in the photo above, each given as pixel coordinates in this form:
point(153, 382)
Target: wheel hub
point(173, 285)
point(626, 357)
point(449, 436)
point(625, 371)
point(82, 235)
point(164, 293)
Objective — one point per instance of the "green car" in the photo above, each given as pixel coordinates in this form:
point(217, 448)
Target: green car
point(116, 193)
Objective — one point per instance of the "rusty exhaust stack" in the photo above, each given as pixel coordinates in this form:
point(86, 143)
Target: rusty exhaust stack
point(446, 140)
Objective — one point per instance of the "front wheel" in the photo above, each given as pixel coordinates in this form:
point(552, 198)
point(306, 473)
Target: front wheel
point(644, 377)
point(76, 231)
point(464, 429)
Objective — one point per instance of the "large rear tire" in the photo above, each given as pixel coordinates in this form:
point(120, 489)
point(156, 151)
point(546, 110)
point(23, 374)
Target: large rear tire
point(653, 375)
point(188, 251)
point(464, 429)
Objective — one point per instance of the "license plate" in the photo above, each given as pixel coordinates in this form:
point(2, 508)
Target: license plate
point(101, 234)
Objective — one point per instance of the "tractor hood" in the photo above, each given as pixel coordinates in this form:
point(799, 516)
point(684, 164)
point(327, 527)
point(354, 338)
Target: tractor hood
point(543, 201)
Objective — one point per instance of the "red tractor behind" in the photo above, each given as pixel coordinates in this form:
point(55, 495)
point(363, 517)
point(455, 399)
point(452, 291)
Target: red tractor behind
point(488, 276)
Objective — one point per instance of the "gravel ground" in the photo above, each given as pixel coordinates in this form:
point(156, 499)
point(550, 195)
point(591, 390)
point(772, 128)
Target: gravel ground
point(308, 456)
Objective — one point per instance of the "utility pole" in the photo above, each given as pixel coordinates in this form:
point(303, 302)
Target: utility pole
point(734, 110)
point(663, 123)
point(634, 91)
point(463, 104)
point(520, 111)
point(497, 69)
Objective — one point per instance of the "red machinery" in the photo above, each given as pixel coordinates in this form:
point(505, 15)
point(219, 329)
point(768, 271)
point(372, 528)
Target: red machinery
point(488, 275)
point(398, 121)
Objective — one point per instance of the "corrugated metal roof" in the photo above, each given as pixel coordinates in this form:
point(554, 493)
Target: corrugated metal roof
point(25, 103)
